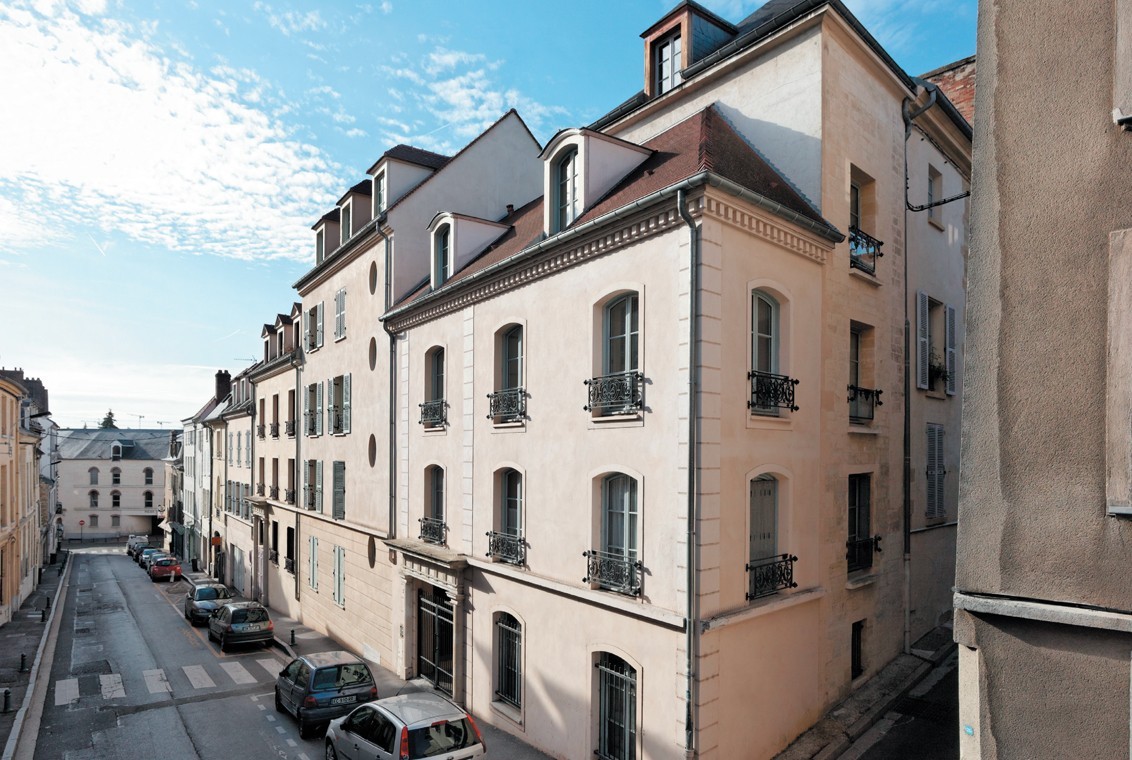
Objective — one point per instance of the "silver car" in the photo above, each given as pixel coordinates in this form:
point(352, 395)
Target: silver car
point(405, 727)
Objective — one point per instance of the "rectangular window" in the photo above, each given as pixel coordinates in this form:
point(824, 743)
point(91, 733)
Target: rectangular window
point(338, 405)
point(936, 357)
point(312, 326)
point(509, 643)
point(935, 193)
point(617, 709)
point(319, 246)
point(860, 544)
point(340, 314)
point(339, 576)
point(115, 521)
point(857, 647)
point(935, 471)
point(339, 491)
point(347, 226)
point(378, 194)
point(668, 64)
point(94, 521)
point(312, 562)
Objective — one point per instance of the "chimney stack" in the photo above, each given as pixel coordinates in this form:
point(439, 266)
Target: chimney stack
point(510, 209)
point(223, 384)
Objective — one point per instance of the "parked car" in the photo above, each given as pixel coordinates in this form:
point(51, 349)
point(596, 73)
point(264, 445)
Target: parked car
point(149, 559)
point(205, 599)
point(133, 541)
point(408, 726)
point(316, 688)
point(241, 623)
point(143, 553)
point(165, 568)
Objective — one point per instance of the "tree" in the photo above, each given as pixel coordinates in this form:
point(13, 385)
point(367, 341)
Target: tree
point(108, 421)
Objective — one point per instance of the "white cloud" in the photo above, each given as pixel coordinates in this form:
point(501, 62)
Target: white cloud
point(291, 22)
point(115, 135)
point(386, 7)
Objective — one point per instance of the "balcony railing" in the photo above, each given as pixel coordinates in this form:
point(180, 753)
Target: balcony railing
point(309, 497)
point(337, 421)
point(509, 405)
point(506, 547)
point(261, 431)
point(311, 424)
point(289, 565)
point(770, 392)
point(289, 495)
point(863, 403)
point(289, 428)
point(613, 572)
point(859, 552)
point(273, 492)
point(434, 531)
point(769, 575)
point(615, 394)
point(273, 556)
point(864, 250)
point(274, 429)
point(433, 413)
point(259, 489)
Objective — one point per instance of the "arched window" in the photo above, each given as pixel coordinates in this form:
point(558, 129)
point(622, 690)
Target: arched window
point(93, 476)
point(764, 333)
point(621, 335)
point(511, 503)
point(433, 409)
point(148, 476)
point(566, 200)
point(614, 565)
point(149, 499)
point(509, 401)
point(93, 495)
point(441, 245)
point(509, 649)
point(434, 530)
point(115, 477)
point(512, 358)
point(617, 708)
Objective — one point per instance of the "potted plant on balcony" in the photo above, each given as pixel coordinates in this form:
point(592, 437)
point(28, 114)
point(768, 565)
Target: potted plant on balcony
point(937, 371)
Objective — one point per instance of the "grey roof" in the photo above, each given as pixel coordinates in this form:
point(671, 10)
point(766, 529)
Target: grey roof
point(96, 443)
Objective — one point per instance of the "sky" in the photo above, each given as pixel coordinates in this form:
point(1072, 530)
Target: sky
point(162, 162)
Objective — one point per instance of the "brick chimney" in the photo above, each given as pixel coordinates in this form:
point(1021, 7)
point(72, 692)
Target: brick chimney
point(223, 384)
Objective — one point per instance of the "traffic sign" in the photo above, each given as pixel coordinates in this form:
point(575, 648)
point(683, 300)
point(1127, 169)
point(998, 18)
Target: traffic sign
point(82, 522)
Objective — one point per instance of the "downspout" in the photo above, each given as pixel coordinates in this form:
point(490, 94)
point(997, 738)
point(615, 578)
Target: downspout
point(391, 531)
point(297, 362)
point(691, 619)
point(909, 116)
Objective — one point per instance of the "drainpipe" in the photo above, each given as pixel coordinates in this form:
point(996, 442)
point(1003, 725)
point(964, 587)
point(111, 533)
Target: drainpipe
point(909, 117)
point(297, 362)
point(691, 620)
point(391, 531)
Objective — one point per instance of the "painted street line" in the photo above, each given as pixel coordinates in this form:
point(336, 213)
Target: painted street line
point(112, 686)
point(66, 691)
point(156, 681)
point(198, 677)
point(238, 672)
point(271, 665)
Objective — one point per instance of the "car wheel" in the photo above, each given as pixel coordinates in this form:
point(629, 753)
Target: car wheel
point(278, 701)
point(330, 753)
point(187, 617)
point(223, 642)
point(211, 635)
point(304, 727)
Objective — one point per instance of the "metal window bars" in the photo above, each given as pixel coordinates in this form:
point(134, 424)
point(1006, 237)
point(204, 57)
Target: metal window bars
point(506, 547)
point(769, 575)
point(864, 250)
point(771, 392)
point(863, 403)
point(434, 531)
point(613, 571)
point(433, 414)
point(859, 552)
point(620, 393)
point(507, 405)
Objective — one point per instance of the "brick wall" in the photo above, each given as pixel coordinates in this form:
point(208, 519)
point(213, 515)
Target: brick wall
point(957, 80)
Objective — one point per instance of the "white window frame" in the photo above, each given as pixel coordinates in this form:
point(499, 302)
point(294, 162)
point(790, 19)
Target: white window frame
point(346, 222)
point(338, 575)
point(566, 187)
point(631, 353)
point(312, 562)
point(340, 314)
point(320, 245)
point(442, 254)
point(378, 193)
point(668, 52)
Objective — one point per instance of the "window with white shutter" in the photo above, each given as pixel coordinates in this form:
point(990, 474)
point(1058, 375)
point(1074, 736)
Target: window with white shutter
point(312, 562)
point(923, 340)
point(318, 485)
point(318, 408)
point(340, 576)
point(318, 328)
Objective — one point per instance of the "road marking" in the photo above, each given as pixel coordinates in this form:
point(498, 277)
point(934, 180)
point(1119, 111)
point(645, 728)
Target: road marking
point(156, 681)
point(66, 691)
point(198, 677)
point(270, 718)
point(280, 729)
point(238, 672)
point(292, 743)
point(112, 686)
point(262, 707)
point(271, 665)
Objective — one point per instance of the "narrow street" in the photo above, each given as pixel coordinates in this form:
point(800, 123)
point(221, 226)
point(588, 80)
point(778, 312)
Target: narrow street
point(131, 677)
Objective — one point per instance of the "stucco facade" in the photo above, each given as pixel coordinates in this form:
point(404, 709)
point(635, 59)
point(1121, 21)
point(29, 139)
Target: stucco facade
point(1041, 611)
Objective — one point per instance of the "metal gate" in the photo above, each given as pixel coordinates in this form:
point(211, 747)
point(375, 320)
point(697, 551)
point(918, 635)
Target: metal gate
point(434, 637)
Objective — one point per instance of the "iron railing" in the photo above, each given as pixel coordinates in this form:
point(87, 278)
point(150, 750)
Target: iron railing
point(864, 250)
point(613, 572)
point(273, 492)
point(770, 392)
point(615, 394)
point(309, 497)
point(274, 430)
point(508, 405)
point(289, 428)
point(289, 495)
point(337, 422)
point(289, 565)
point(312, 424)
point(769, 575)
point(863, 403)
point(273, 556)
point(261, 431)
point(259, 489)
point(434, 531)
point(506, 547)
point(433, 413)
point(859, 552)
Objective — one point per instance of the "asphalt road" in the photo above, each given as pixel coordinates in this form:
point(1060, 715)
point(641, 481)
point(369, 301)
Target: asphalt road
point(131, 678)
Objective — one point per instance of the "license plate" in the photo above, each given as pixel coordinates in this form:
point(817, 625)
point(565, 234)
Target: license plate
point(343, 700)
point(253, 627)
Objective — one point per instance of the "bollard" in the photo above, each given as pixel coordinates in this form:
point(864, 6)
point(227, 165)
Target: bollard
point(43, 615)
point(292, 637)
point(60, 570)
point(7, 700)
point(23, 662)
point(47, 604)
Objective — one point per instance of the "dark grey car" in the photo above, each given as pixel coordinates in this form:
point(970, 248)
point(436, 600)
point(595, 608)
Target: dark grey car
point(317, 688)
point(202, 600)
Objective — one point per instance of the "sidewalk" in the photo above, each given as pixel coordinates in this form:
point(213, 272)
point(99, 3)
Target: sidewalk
point(501, 744)
point(835, 733)
point(21, 650)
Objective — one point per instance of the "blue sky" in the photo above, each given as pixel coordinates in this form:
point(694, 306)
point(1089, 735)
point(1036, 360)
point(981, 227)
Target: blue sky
point(161, 162)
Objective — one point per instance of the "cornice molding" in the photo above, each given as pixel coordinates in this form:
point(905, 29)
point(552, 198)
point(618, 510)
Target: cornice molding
point(766, 227)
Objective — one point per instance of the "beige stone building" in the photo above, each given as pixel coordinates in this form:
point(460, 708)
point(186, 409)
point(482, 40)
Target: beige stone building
point(1042, 613)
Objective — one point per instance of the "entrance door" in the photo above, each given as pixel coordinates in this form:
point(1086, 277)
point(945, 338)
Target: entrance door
point(434, 637)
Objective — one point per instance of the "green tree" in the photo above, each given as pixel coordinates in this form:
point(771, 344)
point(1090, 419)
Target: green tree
point(108, 421)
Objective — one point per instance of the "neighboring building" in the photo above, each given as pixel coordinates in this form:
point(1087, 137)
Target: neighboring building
point(111, 481)
point(238, 472)
point(957, 80)
point(1043, 615)
point(197, 493)
point(12, 477)
point(173, 527)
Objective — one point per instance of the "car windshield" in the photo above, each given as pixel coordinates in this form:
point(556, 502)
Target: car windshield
point(441, 738)
point(208, 594)
point(249, 616)
point(341, 676)
point(166, 562)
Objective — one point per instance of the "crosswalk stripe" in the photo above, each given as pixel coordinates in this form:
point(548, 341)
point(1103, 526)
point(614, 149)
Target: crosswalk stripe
point(198, 677)
point(271, 665)
point(156, 681)
point(112, 686)
point(66, 691)
point(238, 672)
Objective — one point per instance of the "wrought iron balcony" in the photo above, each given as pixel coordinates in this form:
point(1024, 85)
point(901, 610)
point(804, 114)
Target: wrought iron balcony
point(273, 492)
point(274, 429)
point(863, 403)
point(308, 497)
point(434, 531)
point(273, 556)
point(508, 405)
point(613, 572)
point(859, 552)
point(506, 547)
point(289, 495)
point(337, 422)
point(615, 394)
point(433, 414)
point(289, 565)
point(312, 424)
point(289, 428)
point(259, 489)
point(261, 431)
point(864, 250)
point(769, 575)
point(770, 392)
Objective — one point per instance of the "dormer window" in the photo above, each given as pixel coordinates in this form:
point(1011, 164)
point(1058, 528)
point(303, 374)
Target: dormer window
point(441, 246)
point(379, 194)
point(347, 213)
point(319, 246)
point(116, 451)
point(566, 194)
point(667, 63)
